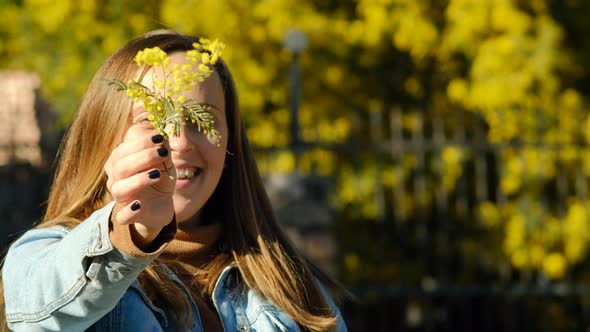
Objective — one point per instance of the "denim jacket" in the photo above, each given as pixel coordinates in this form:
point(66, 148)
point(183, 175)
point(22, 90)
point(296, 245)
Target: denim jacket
point(60, 279)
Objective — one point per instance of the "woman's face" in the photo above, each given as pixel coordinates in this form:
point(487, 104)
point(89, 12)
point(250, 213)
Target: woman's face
point(199, 162)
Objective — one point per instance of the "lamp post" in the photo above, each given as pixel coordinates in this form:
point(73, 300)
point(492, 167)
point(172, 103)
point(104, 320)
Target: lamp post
point(295, 41)
point(300, 201)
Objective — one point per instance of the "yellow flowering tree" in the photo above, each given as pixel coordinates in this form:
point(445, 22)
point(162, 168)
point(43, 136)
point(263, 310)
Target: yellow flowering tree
point(377, 72)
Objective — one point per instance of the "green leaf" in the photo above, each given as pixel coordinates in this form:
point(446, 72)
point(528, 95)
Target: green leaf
point(118, 84)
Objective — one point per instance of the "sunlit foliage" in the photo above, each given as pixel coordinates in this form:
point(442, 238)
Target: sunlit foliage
point(510, 63)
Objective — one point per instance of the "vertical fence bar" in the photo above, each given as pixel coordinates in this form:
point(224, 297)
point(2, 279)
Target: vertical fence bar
point(497, 153)
point(460, 139)
point(397, 152)
point(439, 142)
point(480, 150)
point(482, 194)
point(419, 149)
point(441, 199)
point(376, 139)
point(454, 233)
point(562, 188)
point(581, 184)
point(418, 183)
point(398, 190)
point(418, 186)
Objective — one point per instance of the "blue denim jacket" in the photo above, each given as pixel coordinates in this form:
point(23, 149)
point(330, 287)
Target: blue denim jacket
point(57, 279)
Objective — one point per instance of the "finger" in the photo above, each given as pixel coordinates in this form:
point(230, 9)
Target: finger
point(130, 147)
point(127, 189)
point(109, 184)
point(127, 214)
point(139, 162)
point(107, 169)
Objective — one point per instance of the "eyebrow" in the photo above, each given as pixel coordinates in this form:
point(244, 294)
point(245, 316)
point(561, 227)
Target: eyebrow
point(137, 110)
point(135, 106)
point(140, 109)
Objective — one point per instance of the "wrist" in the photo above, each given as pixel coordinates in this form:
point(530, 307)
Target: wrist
point(143, 235)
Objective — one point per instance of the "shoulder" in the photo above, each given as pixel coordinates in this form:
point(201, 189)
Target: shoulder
point(92, 229)
point(243, 307)
point(43, 235)
point(340, 325)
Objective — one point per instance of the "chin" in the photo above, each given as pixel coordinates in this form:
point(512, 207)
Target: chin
point(185, 210)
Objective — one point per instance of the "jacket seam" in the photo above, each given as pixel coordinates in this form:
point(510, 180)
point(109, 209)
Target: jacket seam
point(150, 304)
point(276, 321)
point(48, 309)
point(221, 279)
point(261, 309)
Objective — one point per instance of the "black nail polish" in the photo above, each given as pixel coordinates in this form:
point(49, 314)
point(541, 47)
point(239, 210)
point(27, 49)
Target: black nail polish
point(135, 206)
point(163, 152)
point(154, 174)
point(157, 139)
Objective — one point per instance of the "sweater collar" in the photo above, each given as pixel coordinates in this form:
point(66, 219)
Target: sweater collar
point(194, 240)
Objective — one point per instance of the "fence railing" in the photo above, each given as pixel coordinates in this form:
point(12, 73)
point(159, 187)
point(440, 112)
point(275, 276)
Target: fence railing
point(427, 260)
point(520, 308)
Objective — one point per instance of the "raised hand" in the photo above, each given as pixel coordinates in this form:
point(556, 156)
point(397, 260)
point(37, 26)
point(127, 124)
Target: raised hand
point(138, 182)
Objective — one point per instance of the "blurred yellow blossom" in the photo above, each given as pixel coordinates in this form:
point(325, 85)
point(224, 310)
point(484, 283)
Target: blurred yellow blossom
point(318, 161)
point(283, 163)
point(537, 255)
point(489, 214)
point(452, 155)
point(515, 234)
point(393, 176)
point(571, 98)
point(412, 86)
point(554, 265)
point(451, 169)
point(510, 184)
point(520, 259)
point(351, 262)
point(457, 90)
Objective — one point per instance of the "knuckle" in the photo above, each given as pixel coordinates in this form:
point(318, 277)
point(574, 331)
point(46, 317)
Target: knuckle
point(122, 218)
point(117, 191)
point(120, 170)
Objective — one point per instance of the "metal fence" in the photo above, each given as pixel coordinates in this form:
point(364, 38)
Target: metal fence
point(439, 283)
point(519, 308)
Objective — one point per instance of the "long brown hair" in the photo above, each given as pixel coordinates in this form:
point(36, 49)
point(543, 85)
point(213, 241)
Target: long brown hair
point(267, 261)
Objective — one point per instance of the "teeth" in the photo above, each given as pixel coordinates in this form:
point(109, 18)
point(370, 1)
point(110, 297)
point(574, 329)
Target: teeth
point(185, 173)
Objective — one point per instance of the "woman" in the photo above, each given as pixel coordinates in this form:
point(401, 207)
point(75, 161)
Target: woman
point(123, 248)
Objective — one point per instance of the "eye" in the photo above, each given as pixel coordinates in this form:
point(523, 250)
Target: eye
point(142, 120)
point(193, 127)
point(211, 116)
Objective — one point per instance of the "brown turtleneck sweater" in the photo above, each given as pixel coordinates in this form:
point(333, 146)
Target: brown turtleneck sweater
point(184, 250)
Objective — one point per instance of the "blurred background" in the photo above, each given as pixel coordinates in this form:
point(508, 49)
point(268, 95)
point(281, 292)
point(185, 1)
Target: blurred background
point(433, 155)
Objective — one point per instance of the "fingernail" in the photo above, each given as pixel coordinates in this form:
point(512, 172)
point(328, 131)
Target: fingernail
point(154, 174)
point(157, 139)
point(163, 152)
point(135, 206)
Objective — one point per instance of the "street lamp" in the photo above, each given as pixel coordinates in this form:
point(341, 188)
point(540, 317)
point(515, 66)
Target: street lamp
point(300, 201)
point(295, 41)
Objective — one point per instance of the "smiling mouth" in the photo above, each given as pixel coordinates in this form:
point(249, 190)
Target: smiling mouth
point(187, 173)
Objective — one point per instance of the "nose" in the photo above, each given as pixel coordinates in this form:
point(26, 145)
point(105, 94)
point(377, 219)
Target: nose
point(183, 143)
